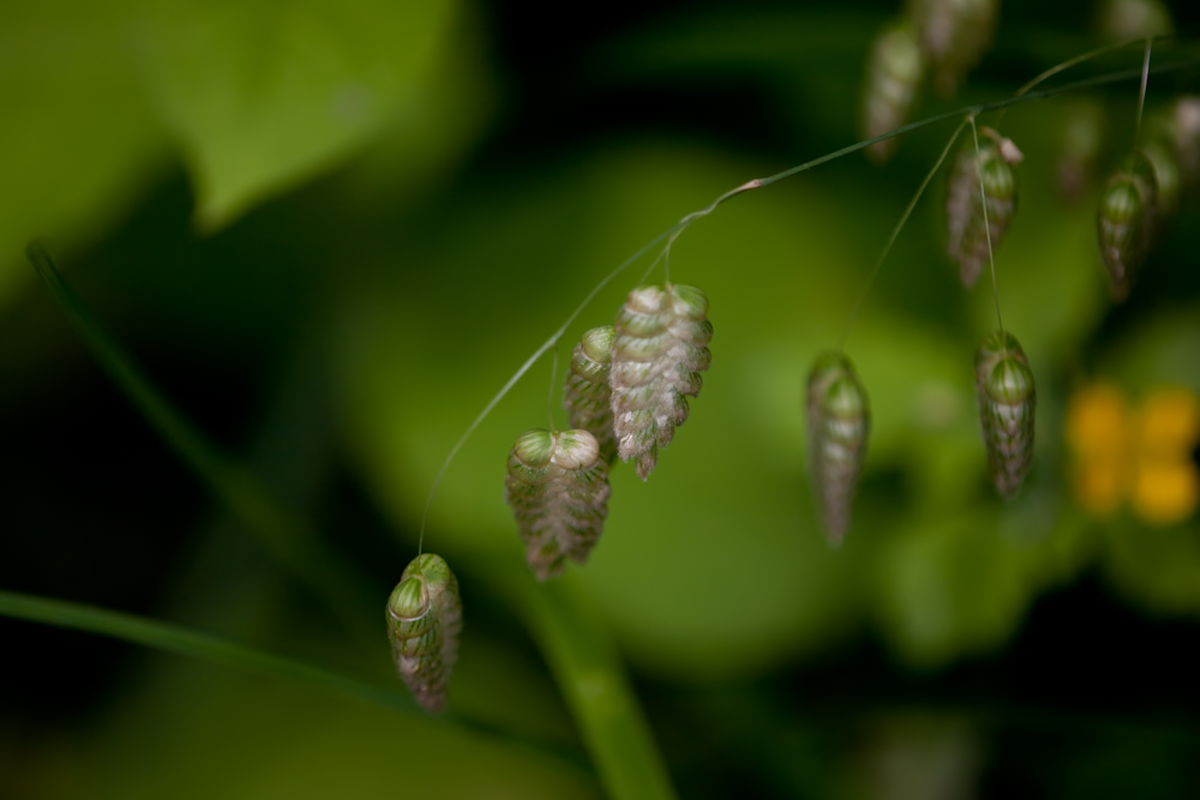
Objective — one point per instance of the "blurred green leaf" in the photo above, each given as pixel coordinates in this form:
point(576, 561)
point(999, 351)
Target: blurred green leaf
point(1155, 566)
point(79, 141)
point(264, 94)
point(1163, 351)
point(275, 741)
point(952, 586)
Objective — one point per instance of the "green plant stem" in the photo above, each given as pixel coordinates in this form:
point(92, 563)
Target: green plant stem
point(206, 647)
point(291, 542)
point(987, 224)
point(891, 241)
point(588, 670)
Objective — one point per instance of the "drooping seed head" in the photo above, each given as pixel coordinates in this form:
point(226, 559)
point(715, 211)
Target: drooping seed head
point(967, 233)
point(659, 351)
point(1007, 402)
point(1185, 130)
point(1120, 20)
point(558, 489)
point(895, 69)
point(954, 35)
point(1168, 180)
point(424, 619)
point(839, 421)
point(1126, 220)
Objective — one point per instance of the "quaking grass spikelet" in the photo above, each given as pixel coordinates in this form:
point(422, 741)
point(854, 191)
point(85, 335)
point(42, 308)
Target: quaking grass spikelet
point(424, 618)
point(1185, 136)
point(967, 235)
point(588, 397)
point(954, 35)
point(895, 69)
point(1168, 182)
point(558, 490)
point(1007, 401)
point(1126, 222)
point(1120, 20)
point(839, 421)
point(661, 347)
point(1081, 142)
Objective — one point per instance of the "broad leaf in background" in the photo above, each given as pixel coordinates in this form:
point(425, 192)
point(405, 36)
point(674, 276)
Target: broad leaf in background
point(79, 142)
point(261, 95)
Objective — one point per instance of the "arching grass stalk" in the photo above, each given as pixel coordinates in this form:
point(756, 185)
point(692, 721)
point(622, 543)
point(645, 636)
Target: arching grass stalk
point(295, 545)
point(171, 638)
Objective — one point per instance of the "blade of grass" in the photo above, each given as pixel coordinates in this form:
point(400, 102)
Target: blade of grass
point(184, 641)
point(289, 540)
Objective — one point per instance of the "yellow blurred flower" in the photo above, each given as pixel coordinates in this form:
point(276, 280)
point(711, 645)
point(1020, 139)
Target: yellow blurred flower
point(1143, 455)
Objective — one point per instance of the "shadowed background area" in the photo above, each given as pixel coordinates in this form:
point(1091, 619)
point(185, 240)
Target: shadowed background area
point(330, 232)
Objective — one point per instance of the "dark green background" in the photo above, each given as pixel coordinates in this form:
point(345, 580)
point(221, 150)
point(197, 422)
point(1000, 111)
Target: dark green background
point(330, 231)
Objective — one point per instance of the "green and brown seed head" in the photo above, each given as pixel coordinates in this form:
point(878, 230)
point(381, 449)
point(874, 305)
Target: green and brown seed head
point(1007, 403)
point(895, 69)
point(1125, 222)
point(659, 351)
point(424, 619)
point(839, 423)
point(968, 227)
point(557, 487)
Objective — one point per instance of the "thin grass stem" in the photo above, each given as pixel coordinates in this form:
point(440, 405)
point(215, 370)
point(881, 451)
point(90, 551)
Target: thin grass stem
point(987, 225)
point(887, 248)
point(183, 641)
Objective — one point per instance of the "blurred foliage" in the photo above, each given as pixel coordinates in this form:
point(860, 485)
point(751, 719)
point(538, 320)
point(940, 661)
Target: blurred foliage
point(390, 206)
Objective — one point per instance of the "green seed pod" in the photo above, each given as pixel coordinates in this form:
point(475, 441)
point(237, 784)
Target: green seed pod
point(1167, 180)
point(558, 489)
point(424, 618)
point(839, 421)
point(1133, 19)
point(1125, 222)
point(1007, 401)
point(967, 235)
point(894, 72)
point(954, 35)
point(1185, 135)
point(588, 395)
point(661, 347)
